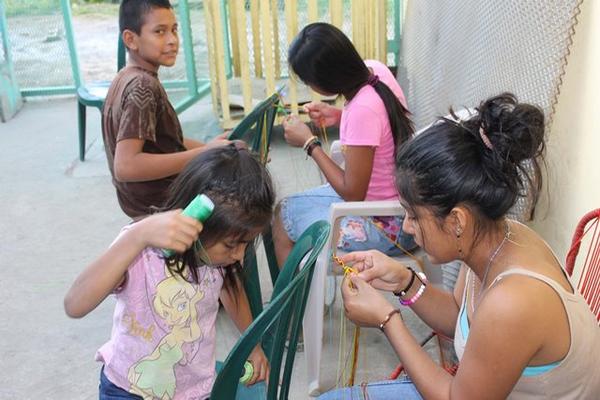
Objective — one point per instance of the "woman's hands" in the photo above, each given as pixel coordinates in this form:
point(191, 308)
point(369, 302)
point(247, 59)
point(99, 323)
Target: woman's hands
point(323, 114)
point(381, 271)
point(363, 304)
point(259, 361)
point(168, 230)
point(295, 131)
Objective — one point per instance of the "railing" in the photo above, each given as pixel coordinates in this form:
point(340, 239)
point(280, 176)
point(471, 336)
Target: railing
point(252, 46)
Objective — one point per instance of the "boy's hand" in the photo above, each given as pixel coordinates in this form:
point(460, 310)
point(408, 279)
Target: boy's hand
point(218, 141)
point(323, 114)
point(261, 365)
point(168, 230)
point(295, 131)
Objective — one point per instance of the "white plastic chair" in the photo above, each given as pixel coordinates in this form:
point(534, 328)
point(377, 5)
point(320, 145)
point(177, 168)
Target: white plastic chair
point(323, 286)
point(314, 315)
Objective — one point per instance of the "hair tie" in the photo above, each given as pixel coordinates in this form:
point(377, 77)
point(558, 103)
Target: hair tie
point(485, 139)
point(373, 79)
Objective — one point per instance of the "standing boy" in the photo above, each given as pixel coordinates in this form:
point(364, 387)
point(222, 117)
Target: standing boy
point(142, 135)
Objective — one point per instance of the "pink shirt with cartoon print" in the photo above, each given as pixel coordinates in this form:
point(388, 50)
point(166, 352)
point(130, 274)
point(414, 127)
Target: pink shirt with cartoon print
point(163, 336)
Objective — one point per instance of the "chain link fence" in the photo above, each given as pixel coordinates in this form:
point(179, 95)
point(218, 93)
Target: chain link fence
point(456, 53)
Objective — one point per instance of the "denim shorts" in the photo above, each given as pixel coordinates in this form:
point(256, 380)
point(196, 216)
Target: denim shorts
point(110, 391)
point(301, 210)
point(385, 390)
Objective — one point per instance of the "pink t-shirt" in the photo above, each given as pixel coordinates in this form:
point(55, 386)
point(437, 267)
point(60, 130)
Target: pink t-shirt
point(365, 122)
point(162, 343)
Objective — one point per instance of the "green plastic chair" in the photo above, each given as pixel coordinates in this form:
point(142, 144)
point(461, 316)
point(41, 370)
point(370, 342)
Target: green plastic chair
point(93, 95)
point(256, 129)
point(283, 315)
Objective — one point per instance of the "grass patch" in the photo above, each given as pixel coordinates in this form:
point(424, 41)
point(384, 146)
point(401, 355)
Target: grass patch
point(19, 8)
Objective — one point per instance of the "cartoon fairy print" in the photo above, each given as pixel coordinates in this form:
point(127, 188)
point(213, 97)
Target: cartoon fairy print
point(153, 376)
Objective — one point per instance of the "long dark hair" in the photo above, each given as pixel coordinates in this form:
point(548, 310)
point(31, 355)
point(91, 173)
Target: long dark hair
point(479, 163)
point(242, 191)
point(323, 57)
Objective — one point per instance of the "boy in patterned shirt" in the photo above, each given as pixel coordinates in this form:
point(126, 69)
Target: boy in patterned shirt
point(142, 135)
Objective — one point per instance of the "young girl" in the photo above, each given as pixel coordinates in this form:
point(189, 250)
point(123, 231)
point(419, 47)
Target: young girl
point(520, 329)
point(373, 124)
point(163, 338)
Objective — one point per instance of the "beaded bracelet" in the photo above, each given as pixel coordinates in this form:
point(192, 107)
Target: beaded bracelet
point(423, 279)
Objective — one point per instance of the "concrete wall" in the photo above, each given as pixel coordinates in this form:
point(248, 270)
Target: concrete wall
point(572, 185)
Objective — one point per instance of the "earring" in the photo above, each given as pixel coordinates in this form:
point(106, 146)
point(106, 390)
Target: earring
point(458, 234)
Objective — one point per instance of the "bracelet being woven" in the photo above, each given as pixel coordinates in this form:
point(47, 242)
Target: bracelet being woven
point(309, 141)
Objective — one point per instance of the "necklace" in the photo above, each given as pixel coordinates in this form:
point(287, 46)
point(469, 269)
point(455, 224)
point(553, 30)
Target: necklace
point(507, 234)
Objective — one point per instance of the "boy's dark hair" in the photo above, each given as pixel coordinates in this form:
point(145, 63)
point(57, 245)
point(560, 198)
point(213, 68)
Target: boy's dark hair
point(242, 191)
point(484, 163)
point(322, 56)
point(132, 13)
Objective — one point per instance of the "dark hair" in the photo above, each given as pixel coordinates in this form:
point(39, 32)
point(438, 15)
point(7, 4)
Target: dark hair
point(132, 13)
point(242, 191)
point(323, 57)
point(451, 164)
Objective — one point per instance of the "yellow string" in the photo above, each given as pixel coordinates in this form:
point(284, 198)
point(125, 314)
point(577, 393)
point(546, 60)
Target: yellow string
point(356, 336)
point(324, 136)
point(406, 252)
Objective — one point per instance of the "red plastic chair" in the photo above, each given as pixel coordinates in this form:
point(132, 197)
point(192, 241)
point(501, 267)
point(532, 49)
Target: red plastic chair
point(589, 279)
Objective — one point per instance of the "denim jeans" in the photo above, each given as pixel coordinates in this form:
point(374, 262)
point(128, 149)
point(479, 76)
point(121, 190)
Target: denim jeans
point(110, 391)
point(385, 390)
point(299, 211)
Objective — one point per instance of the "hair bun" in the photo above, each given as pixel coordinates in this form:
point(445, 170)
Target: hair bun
point(516, 130)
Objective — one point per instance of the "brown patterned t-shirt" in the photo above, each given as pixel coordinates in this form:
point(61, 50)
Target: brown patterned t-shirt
point(137, 106)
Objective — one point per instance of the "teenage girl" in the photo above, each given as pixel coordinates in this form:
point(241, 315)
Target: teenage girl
point(163, 337)
point(373, 124)
point(520, 329)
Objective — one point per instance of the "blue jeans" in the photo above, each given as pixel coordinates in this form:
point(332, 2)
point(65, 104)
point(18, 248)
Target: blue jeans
point(402, 389)
point(300, 210)
point(110, 391)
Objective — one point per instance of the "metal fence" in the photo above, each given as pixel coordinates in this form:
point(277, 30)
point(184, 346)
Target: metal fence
point(256, 42)
point(456, 53)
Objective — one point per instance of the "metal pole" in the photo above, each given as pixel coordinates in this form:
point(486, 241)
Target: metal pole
point(66, 12)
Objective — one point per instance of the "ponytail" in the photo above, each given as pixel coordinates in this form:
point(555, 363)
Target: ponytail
point(400, 124)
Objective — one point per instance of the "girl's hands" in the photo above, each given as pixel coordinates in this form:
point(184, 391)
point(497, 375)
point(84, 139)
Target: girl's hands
point(168, 230)
point(323, 114)
point(363, 304)
point(381, 271)
point(261, 365)
point(295, 131)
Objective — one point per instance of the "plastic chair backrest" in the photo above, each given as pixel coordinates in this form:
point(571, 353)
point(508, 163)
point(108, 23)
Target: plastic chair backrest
point(589, 280)
point(256, 127)
point(283, 314)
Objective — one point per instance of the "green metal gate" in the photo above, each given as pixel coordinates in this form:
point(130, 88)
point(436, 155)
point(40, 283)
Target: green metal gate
point(10, 96)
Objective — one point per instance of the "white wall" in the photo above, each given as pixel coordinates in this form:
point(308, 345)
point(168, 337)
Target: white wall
point(572, 186)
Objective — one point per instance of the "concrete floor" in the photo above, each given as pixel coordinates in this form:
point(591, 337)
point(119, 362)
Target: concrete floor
point(58, 214)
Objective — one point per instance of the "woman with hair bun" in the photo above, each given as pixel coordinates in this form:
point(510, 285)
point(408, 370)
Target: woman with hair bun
point(520, 329)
